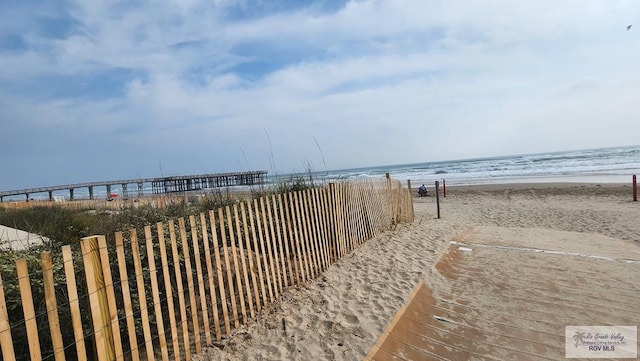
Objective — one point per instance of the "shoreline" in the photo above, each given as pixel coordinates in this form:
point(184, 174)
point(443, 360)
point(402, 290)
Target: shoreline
point(539, 185)
point(559, 179)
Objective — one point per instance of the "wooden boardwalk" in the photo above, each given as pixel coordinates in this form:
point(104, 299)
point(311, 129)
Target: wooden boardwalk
point(507, 294)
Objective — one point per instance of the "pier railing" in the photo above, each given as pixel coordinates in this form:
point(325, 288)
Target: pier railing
point(170, 289)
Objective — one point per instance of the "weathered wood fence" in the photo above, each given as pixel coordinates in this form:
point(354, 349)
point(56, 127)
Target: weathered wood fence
point(183, 285)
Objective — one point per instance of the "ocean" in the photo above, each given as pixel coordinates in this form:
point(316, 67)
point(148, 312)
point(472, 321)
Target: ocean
point(605, 165)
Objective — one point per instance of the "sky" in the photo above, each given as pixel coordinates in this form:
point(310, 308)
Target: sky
point(103, 90)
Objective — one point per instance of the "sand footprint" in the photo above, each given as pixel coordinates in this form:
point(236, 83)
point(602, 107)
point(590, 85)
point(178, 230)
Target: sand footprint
point(351, 320)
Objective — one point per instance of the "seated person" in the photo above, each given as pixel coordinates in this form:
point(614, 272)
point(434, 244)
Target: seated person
point(422, 190)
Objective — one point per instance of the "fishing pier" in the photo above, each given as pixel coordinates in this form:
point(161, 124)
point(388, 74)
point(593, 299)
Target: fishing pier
point(161, 185)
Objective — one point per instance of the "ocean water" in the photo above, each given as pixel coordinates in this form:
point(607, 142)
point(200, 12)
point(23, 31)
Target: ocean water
point(605, 165)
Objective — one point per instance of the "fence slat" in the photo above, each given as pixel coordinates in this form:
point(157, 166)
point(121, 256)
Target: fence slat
point(364, 194)
point(368, 214)
point(256, 251)
point(263, 251)
point(177, 270)
point(357, 213)
point(216, 252)
point(366, 199)
point(236, 265)
point(275, 265)
point(322, 200)
point(291, 226)
point(311, 233)
point(315, 211)
point(52, 306)
point(335, 204)
point(317, 229)
point(351, 229)
point(6, 343)
point(247, 286)
point(28, 310)
point(311, 226)
point(285, 239)
point(142, 296)
point(304, 235)
point(203, 297)
point(348, 220)
point(111, 297)
point(333, 216)
point(297, 237)
point(380, 209)
point(324, 221)
point(344, 216)
point(164, 263)
point(268, 240)
point(210, 275)
point(283, 274)
point(195, 322)
point(225, 251)
point(360, 226)
point(153, 275)
point(250, 255)
point(126, 298)
point(100, 313)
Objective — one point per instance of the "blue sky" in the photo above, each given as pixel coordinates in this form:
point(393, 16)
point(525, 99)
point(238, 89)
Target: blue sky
point(98, 90)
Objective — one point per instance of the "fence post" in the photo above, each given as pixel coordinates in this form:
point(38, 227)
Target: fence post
point(410, 200)
point(332, 226)
point(444, 189)
point(438, 198)
point(635, 189)
point(391, 198)
point(100, 313)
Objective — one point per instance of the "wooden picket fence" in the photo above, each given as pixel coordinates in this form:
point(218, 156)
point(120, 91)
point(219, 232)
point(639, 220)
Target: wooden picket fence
point(184, 285)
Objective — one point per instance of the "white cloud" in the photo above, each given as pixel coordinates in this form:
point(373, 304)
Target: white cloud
point(375, 82)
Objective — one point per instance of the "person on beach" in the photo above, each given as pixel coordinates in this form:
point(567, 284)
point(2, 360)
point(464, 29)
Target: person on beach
point(422, 191)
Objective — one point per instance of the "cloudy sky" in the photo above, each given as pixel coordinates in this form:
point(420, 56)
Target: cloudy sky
point(99, 90)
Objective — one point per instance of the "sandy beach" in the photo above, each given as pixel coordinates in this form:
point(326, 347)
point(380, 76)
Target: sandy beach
point(340, 315)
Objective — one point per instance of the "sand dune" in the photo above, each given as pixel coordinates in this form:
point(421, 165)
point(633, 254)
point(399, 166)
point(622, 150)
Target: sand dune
point(18, 240)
